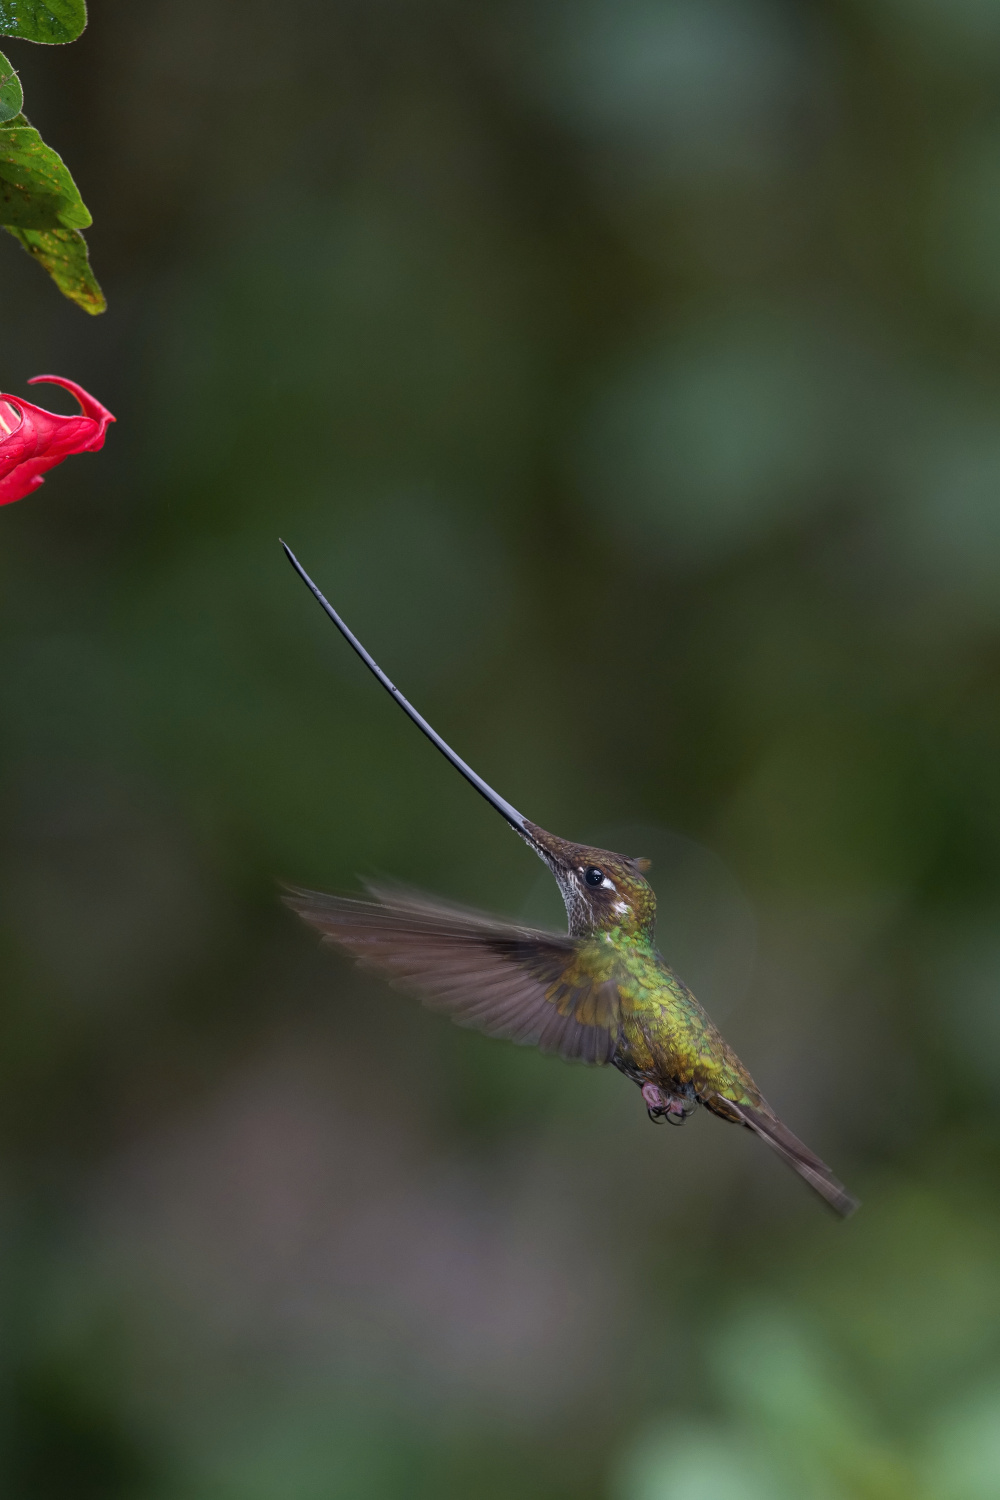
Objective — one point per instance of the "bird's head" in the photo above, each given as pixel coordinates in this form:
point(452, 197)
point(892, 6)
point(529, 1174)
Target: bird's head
point(602, 890)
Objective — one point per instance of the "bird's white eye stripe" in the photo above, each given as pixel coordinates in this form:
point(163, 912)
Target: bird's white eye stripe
point(608, 885)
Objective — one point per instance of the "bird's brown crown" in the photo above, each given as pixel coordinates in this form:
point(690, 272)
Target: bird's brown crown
point(602, 890)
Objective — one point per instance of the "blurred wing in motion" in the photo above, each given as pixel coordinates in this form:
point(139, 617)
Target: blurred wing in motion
point(527, 986)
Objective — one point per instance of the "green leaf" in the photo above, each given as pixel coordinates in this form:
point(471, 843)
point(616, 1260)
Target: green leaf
point(43, 20)
point(11, 97)
point(40, 205)
point(63, 253)
point(36, 189)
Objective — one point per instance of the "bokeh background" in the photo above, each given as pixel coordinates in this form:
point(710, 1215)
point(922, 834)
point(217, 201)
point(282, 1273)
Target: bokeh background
point(629, 372)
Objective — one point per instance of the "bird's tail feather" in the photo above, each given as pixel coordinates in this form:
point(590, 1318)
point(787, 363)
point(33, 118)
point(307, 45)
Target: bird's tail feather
point(798, 1156)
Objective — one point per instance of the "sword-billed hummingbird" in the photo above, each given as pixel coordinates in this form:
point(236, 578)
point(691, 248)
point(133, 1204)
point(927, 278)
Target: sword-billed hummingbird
point(599, 993)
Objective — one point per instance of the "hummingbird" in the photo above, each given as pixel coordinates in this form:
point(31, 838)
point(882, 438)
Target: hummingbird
point(598, 993)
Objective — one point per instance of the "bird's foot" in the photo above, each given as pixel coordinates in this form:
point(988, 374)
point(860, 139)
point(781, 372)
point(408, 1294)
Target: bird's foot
point(662, 1105)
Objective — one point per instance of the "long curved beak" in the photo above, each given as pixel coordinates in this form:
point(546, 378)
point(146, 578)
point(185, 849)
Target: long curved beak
point(514, 818)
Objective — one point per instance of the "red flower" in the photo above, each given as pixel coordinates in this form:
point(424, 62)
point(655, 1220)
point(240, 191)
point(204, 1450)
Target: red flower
point(33, 440)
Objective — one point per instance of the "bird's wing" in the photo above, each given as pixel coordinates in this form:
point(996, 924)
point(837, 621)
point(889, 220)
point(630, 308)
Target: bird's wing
point(532, 987)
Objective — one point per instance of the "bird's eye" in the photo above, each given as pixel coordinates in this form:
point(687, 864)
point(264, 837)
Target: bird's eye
point(593, 876)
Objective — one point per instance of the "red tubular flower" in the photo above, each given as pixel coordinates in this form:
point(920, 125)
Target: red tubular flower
point(33, 440)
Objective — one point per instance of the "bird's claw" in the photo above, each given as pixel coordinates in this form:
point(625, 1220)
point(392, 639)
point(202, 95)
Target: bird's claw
point(664, 1106)
point(666, 1117)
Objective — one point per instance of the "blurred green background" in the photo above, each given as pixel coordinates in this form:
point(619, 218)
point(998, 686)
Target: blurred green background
point(629, 373)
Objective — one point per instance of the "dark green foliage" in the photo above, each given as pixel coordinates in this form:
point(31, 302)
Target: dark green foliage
point(40, 204)
point(67, 1442)
point(43, 20)
point(41, 207)
point(11, 95)
point(63, 253)
point(36, 190)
